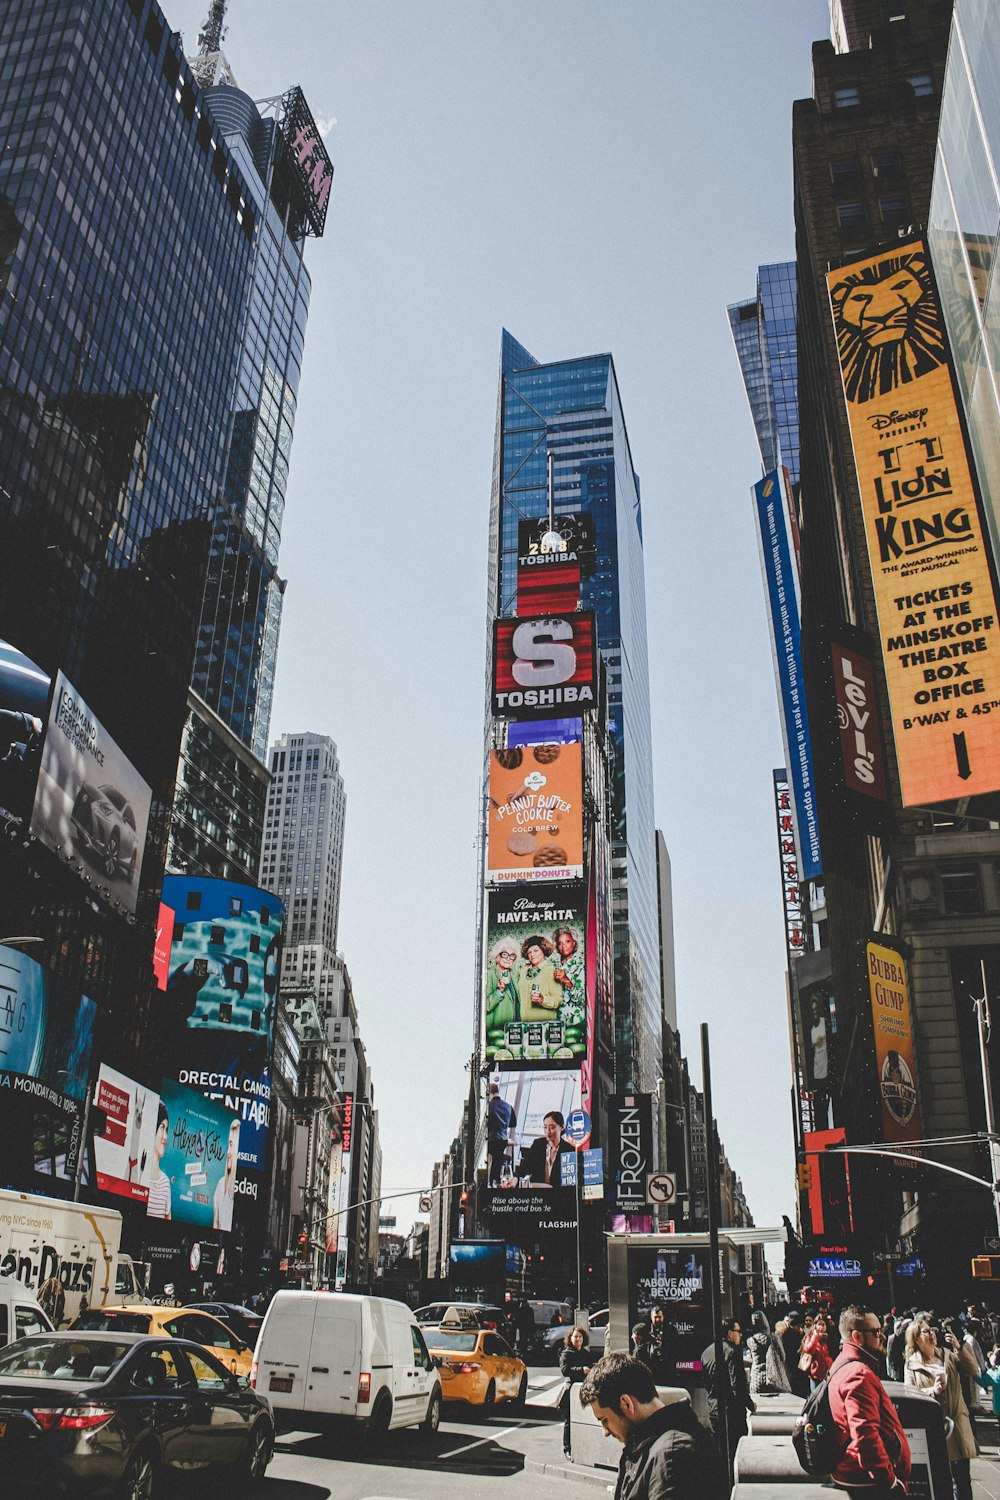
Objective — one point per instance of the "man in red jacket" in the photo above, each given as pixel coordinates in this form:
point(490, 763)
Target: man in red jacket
point(875, 1456)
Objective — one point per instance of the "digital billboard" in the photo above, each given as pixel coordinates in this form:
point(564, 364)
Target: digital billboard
point(546, 667)
point(862, 756)
point(531, 1187)
point(535, 814)
point(90, 802)
point(544, 732)
point(46, 1032)
point(224, 963)
point(195, 1159)
point(831, 1211)
point(791, 886)
point(894, 1052)
point(930, 561)
point(551, 564)
point(630, 1148)
point(780, 569)
point(24, 697)
point(814, 978)
point(679, 1279)
point(123, 1152)
point(536, 995)
point(477, 1262)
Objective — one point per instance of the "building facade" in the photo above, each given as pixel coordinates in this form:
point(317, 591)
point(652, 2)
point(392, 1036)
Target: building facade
point(302, 853)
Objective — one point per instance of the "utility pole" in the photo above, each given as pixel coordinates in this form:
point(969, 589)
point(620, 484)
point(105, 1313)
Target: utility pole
point(715, 1299)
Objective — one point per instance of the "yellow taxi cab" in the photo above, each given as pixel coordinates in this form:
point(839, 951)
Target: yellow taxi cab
point(476, 1364)
point(171, 1323)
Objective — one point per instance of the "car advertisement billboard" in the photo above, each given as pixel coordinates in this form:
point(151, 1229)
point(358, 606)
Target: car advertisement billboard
point(931, 564)
point(91, 804)
point(24, 698)
point(225, 958)
point(123, 1152)
point(894, 1051)
point(535, 814)
point(536, 995)
point(530, 1191)
point(195, 1159)
point(779, 565)
point(543, 668)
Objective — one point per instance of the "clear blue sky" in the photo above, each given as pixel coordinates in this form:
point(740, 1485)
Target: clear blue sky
point(594, 177)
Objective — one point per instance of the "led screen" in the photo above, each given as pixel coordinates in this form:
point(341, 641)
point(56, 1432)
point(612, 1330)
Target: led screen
point(195, 1158)
point(536, 998)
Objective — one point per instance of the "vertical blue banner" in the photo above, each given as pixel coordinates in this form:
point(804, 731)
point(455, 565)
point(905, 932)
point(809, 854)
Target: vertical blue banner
point(781, 577)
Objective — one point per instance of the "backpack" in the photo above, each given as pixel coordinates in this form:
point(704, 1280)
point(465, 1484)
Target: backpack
point(815, 1438)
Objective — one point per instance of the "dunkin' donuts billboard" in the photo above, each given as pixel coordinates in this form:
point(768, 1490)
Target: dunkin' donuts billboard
point(535, 816)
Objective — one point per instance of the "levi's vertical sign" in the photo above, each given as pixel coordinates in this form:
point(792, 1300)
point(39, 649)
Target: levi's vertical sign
point(934, 590)
point(545, 667)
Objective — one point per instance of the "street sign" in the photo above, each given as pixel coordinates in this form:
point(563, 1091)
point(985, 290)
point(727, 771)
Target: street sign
point(593, 1174)
point(424, 1203)
point(661, 1187)
point(567, 1168)
point(577, 1126)
point(992, 1243)
point(883, 1258)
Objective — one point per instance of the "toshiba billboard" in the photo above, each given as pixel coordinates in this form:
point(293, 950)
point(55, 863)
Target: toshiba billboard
point(545, 667)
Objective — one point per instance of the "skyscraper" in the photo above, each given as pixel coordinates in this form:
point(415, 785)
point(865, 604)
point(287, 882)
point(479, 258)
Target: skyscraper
point(303, 849)
point(764, 334)
point(571, 410)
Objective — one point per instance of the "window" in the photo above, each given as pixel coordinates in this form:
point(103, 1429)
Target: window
point(847, 97)
point(156, 1370)
point(960, 889)
point(886, 166)
point(208, 1375)
point(852, 215)
point(27, 1320)
point(922, 85)
point(845, 174)
point(893, 210)
point(421, 1359)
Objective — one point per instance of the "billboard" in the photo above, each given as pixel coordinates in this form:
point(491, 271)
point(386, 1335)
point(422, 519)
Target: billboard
point(195, 1159)
point(544, 667)
point(46, 1034)
point(524, 1197)
point(544, 732)
point(223, 968)
point(548, 576)
point(475, 1263)
point(831, 1212)
point(791, 886)
point(777, 556)
point(894, 1053)
point(679, 1279)
point(310, 161)
point(90, 802)
point(814, 983)
point(535, 814)
point(857, 720)
point(930, 561)
point(123, 1152)
point(536, 995)
point(24, 698)
point(630, 1149)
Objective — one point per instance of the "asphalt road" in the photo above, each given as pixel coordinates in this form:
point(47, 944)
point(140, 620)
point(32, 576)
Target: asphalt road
point(485, 1456)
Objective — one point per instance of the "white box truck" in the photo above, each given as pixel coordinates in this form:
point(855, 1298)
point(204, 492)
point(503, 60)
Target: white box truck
point(331, 1359)
point(43, 1240)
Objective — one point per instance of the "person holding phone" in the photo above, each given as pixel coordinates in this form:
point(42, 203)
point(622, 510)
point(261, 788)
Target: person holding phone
point(935, 1361)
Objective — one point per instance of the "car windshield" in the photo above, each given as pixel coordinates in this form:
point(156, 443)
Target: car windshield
point(114, 796)
point(463, 1343)
point(102, 1319)
point(61, 1358)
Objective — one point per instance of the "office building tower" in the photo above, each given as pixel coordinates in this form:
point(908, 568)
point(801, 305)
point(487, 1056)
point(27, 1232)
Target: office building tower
point(126, 248)
point(764, 334)
point(963, 233)
point(570, 410)
point(222, 782)
point(302, 852)
point(911, 898)
point(665, 908)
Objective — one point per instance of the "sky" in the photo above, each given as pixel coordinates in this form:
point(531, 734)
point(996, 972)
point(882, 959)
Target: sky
point(594, 177)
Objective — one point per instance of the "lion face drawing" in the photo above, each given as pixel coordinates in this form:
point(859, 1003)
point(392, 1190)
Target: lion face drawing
point(888, 325)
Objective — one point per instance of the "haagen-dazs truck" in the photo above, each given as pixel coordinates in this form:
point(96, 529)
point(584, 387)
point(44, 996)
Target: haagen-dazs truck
point(44, 1241)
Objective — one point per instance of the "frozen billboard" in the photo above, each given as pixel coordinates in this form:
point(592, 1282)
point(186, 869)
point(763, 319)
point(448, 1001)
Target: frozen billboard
point(91, 804)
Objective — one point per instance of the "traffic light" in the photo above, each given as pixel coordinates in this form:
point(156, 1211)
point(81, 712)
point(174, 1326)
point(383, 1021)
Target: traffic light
point(986, 1267)
point(805, 1175)
point(303, 1242)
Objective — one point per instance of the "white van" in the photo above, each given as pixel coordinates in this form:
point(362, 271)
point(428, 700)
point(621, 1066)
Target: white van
point(20, 1311)
point(324, 1359)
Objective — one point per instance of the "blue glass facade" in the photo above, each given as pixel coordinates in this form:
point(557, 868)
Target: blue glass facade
point(764, 334)
point(572, 409)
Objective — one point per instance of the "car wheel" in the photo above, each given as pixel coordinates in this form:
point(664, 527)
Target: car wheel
point(432, 1421)
point(490, 1399)
point(260, 1451)
point(111, 855)
point(138, 1480)
point(520, 1400)
point(378, 1424)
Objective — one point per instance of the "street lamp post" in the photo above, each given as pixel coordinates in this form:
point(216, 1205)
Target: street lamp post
point(982, 1004)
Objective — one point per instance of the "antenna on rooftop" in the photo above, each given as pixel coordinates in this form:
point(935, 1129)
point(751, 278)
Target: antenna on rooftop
point(210, 66)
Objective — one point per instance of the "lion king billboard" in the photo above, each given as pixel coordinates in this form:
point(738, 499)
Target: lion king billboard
point(931, 566)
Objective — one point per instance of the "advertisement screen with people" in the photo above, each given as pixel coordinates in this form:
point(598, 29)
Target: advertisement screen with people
point(123, 1151)
point(536, 996)
point(527, 1143)
point(195, 1158)
point(676, 1281)
point(24, 698)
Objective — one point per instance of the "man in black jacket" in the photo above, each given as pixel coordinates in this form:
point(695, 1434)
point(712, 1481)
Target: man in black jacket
point(732, 1387)
point(666, 1453)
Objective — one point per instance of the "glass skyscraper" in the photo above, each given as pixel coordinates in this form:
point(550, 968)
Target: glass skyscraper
point(764, 334)
point(572, 410)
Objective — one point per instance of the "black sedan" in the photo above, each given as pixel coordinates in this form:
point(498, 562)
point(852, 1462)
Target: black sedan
point(104, 1413)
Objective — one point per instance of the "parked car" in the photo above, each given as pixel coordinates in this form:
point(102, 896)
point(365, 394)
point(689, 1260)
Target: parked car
point(242, 1321)
point(171, 1323)
point(555, 1337)
point(104, 1413)
point(106, 824)
point(476, 1364)
point(325, 1361)
point(21, 1312)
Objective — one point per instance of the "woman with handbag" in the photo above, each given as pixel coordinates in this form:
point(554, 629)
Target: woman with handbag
point(816, 1358)
point(574, 1363)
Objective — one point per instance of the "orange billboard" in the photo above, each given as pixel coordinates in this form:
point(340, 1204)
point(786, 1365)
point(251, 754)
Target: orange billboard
point(894, 1059)
point(927, 544)
point(535, 829)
